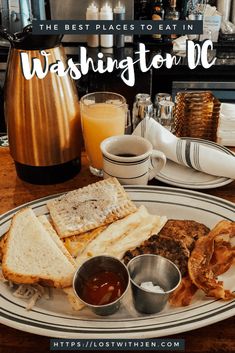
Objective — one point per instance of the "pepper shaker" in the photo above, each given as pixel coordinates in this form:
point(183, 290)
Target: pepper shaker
point(159, 98)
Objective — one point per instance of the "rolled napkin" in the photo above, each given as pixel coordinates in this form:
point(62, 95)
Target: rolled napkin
point(186, 152)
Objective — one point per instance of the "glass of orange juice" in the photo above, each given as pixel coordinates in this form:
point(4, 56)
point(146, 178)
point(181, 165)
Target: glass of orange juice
point(103, 114)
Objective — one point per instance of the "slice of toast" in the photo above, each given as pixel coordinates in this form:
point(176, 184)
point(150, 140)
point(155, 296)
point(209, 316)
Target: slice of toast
point(51, 231)
point(31, 255)
point(3, 240)
point(90, 207)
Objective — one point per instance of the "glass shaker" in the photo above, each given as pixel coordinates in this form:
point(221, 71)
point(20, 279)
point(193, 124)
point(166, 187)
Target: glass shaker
point(159, 98)
point(142, 108)
point(166, 118)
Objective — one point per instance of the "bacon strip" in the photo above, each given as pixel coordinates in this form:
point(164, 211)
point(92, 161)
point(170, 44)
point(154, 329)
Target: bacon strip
point(183, 295)
point(223, 257)
point(202, 266)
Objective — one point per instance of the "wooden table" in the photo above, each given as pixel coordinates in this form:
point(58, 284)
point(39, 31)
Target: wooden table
point(219, 337)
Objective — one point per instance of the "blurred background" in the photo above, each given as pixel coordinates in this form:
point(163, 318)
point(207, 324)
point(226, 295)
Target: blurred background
point(219, 26)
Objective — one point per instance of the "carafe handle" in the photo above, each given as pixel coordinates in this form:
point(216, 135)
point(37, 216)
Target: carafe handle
point(6, 35)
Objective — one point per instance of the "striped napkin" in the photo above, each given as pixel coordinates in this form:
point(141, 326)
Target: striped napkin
point(186, 152)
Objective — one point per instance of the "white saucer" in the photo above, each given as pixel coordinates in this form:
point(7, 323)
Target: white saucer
point(184, 177)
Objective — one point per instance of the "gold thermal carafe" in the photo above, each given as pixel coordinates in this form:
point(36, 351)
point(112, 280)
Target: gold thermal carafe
point(42, 114)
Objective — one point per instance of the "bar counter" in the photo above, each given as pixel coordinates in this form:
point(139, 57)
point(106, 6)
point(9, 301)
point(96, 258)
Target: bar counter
point(218, 337)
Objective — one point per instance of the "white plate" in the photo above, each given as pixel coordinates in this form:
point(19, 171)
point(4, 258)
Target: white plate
point(55, 318)
point(184, 177)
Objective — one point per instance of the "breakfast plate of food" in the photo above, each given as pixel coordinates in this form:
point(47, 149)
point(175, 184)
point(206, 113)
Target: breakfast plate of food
point(44, 242)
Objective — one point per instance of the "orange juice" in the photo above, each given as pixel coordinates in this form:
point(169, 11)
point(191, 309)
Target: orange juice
point(99, 121)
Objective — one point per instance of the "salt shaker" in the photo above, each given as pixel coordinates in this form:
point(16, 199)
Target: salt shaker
point(142, 108)
point(167, 115)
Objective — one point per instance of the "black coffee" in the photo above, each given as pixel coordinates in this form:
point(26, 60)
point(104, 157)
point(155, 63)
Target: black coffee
point(126, 155)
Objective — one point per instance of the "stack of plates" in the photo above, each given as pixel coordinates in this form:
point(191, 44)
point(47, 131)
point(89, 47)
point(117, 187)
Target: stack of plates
point(226, 129)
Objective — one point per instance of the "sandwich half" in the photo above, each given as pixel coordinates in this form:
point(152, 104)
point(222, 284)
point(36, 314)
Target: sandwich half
point(33, 253)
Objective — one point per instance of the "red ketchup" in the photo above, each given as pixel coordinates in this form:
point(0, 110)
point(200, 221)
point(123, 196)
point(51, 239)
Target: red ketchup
point(103, 288)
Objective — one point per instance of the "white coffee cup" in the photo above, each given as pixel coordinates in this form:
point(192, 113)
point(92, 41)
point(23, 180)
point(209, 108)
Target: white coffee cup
point(131, 159)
